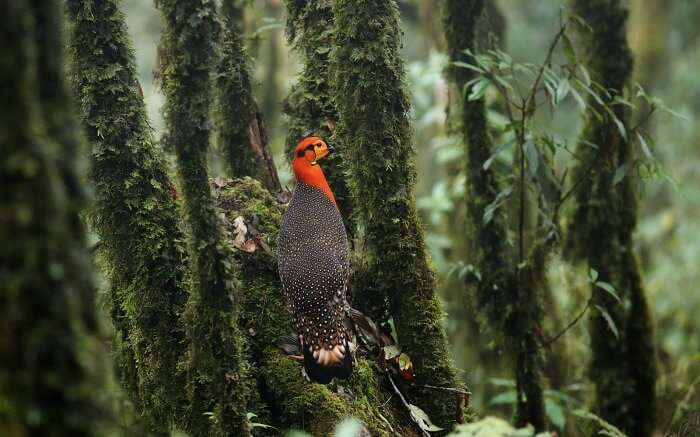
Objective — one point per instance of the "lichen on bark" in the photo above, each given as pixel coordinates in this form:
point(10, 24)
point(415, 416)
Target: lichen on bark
point(393, 276)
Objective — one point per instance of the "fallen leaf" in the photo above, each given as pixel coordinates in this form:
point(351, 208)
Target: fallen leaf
point(421, 418)
point(240, 232)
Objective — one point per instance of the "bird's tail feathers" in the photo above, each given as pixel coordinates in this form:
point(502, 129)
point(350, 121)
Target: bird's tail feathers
point(323, 365)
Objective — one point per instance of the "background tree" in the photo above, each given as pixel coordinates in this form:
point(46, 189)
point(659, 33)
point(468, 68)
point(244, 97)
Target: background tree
point(51, 375)
point(603, 222)
point(310, 105)
point(507, 296)
point(240, 132)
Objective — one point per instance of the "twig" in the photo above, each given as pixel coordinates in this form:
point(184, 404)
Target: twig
point(405, 403)
point(570, 325)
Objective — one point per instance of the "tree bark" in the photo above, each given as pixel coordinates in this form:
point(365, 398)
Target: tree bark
point(393, 277)
point(238, 131)
point(214, 359)
point(135, 213)
point(601, 230)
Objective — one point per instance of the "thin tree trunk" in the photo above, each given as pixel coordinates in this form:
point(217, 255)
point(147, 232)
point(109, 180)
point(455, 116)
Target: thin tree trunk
point(395, 277)
point(238, 132)
point(603, 221)
point(135, 214)
point(507, 296)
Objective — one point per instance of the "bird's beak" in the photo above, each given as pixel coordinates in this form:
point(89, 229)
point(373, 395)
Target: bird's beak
point(324, 151)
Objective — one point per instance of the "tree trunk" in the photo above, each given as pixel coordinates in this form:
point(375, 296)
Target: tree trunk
point(394, 277)
point(51, 369)
point(603, 221)
point(238, 132)
point(310, 104)
point(508, 297)
point(135, 214)
point(214, 359)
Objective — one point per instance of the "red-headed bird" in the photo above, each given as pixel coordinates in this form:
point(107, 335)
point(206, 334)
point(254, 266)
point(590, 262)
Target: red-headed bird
point(314, 265)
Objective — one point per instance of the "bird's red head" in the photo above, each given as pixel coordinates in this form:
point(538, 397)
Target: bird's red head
point(305, 163)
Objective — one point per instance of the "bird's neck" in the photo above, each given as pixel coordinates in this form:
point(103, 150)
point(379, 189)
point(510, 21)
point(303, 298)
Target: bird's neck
point(313, 175)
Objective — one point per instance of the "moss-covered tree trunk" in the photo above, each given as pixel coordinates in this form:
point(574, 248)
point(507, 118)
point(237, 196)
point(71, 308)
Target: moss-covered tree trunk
point(50, 373)
point(310, 104)
point(135, 213)
point(506, 296)
point(393, 276)
point(600, 233)
point(216, 379)
point(240, 134)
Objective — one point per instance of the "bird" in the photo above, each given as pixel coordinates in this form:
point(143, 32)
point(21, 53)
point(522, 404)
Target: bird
point(314, 267)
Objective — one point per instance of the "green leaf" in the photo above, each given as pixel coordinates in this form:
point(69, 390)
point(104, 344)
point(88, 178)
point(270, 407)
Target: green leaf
point(569, 50)
point(507, 397)
point(563, 89)
point(468, 66)
point(555, 413)
point(645, 147)
point(609, 321)
point(620, 126)
point(593, 274)
point(609, 288)
point(498, 150)
point(586, 76)
point(621, 172)
point(579, 99)
point(532, 157)
point(479, 89)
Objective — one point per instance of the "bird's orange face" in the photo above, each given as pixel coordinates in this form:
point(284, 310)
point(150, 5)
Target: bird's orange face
point(311, 149)
point(306, 169)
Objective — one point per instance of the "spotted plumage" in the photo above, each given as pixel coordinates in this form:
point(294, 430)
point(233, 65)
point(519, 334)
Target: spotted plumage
point(314, 266)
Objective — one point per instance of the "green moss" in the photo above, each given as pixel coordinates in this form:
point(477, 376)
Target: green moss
point(50, 373)
point(135, 212)
point(214, 362)
point(393, 272)
point(601, 230)
point(310, 104)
